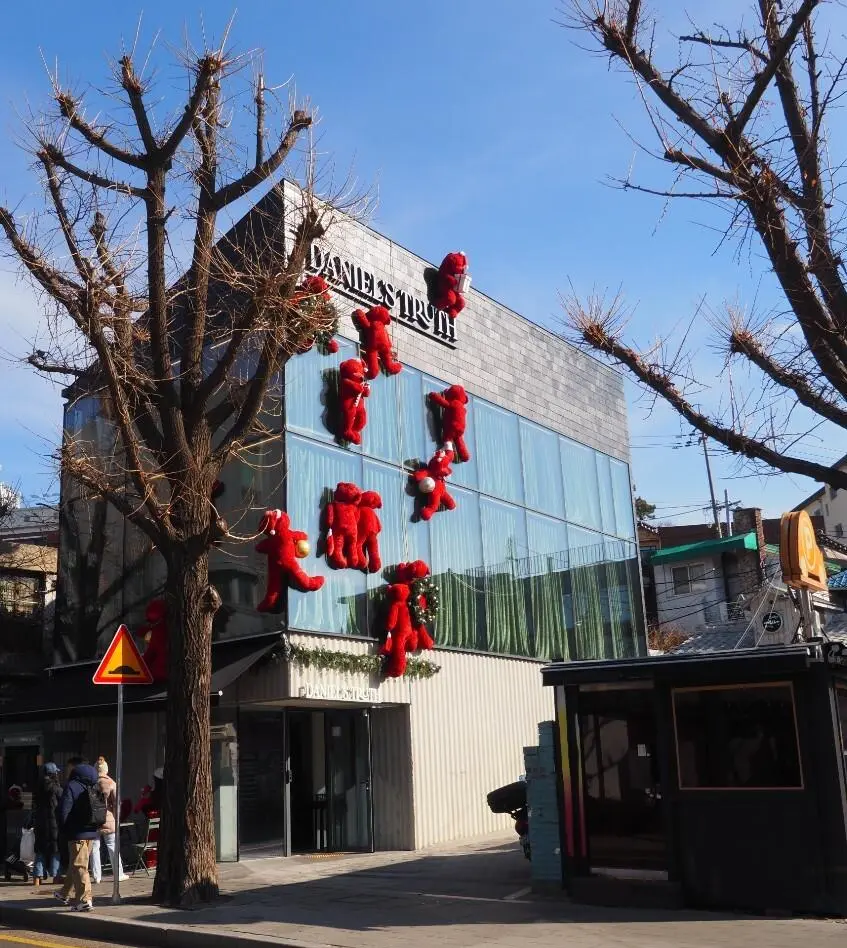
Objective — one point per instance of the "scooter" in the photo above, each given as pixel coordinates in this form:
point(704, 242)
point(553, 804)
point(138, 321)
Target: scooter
point(511, 799)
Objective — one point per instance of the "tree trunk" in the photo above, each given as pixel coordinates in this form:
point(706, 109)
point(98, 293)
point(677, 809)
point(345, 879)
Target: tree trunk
point(187, 870)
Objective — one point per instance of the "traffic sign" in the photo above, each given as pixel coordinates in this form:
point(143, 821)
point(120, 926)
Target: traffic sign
point(122, 664)
point(771, 622)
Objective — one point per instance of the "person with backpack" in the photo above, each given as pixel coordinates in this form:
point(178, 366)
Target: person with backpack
point(107, 830)
point(82, 811)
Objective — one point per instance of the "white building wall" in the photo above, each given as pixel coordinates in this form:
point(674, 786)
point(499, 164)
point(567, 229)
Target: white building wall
point(831, 504)
point(702, 606)
point(469, 726)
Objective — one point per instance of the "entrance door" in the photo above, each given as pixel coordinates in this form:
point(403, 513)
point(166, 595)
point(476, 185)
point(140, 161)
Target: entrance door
point(623, 797)
point(348, 744)
point(262, 771)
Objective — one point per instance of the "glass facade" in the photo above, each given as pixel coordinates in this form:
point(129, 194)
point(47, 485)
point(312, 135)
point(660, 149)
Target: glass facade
point(538, 559)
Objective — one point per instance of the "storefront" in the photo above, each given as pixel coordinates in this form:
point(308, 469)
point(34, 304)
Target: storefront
point(536, 561)
point(716, 779)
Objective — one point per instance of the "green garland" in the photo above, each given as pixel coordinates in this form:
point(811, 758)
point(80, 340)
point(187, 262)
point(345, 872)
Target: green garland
point(426, 590)
point(329, 659)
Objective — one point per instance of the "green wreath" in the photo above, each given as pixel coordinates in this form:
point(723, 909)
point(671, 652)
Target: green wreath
point(424, 603)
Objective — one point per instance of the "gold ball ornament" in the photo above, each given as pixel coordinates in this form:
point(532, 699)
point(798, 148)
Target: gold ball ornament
point(301, 549)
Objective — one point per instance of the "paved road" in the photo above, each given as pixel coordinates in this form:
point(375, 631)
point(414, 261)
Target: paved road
point(17, 938)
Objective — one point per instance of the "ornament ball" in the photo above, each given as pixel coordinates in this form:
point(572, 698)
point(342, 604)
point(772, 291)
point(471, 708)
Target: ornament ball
point(427, 485)
point(301, 549)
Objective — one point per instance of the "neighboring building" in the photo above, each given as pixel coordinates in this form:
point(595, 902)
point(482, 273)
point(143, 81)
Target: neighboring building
point(28, 540)
point(649, 542)
point(538, 561)
point(829, 504)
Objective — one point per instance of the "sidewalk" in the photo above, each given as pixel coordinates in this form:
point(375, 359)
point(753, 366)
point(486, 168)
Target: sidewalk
point(450, 897)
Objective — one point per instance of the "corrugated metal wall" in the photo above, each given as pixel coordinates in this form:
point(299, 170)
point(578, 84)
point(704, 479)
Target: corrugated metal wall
point(469, 726)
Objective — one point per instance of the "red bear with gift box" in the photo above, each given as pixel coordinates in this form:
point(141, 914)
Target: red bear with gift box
point(375, 341)
point(369, 528)
point(156, 633)
point(448, 295)
point(454, 416)
point(342, 527)
point(431, 482)
point(353, 390)
point(283, 547)
point(402, 634)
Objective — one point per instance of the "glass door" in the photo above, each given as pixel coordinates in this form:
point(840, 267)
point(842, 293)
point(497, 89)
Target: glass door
point(348, 750)
point(262, 783)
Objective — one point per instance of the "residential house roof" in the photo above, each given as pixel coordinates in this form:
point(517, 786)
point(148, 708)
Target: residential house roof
point(819, 492)
point(688, 551)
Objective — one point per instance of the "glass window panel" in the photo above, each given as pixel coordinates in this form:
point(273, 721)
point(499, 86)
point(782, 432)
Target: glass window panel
point(457, 567)
point(737, 737)
point(622, 492)
point(311, 389)
point(582, 498)
point(546, 574)
point(607, 497)
point(400, 539)
point(413, 416)
point(381, 437)
point(584, 604)
point(465, 473)
point(339, 606)
point(504, 547)
point(542, 470)
point(499, 452)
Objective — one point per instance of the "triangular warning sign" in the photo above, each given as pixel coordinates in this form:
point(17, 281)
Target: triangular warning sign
point(122, 664)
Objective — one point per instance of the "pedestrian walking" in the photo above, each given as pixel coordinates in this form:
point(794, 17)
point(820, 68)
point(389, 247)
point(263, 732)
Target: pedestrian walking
point(45, 822)
point(108, 829)
point(82, 811)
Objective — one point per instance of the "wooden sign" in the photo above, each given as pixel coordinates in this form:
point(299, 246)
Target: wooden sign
point(800, 556)
point(122, 664)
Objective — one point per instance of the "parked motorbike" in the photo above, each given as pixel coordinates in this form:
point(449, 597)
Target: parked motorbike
point(511, 799)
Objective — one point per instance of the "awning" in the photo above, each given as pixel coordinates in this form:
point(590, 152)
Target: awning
point(691, 551)
point(68, 692)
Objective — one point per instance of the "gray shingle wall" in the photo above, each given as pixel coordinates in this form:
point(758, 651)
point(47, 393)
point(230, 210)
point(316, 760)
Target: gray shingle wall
point(499, 356)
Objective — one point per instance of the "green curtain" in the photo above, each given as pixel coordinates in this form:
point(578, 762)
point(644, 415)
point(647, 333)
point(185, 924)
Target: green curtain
point(546, 576)
point(457, 570)
point(504, 544)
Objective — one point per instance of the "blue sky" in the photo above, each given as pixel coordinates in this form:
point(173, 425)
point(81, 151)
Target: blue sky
point(483, 127)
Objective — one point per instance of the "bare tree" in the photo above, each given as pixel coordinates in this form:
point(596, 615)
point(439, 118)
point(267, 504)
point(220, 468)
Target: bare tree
point(181, 335)
point(741, 119)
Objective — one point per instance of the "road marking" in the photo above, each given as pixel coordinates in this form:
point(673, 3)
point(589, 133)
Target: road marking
point(517, 895)
point(20, 940)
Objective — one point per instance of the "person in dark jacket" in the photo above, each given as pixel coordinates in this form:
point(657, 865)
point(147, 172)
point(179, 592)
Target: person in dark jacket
point(45, 822)
point(73, 820)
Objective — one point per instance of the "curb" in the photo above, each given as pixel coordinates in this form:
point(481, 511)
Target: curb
point(135, 933)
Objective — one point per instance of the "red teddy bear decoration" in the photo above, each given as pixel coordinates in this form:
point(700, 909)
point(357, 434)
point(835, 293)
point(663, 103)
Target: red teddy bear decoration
point(451, 284)
point(431, 481)
point(353, 390)
point(454, 416)
point(342, 527)
point(283, 547)
point(375, 341)
point(369, 528)
point(402, 635)
point(156, 632)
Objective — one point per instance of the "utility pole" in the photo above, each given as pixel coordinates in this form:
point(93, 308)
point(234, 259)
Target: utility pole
point(711, 488)
point(728, 522)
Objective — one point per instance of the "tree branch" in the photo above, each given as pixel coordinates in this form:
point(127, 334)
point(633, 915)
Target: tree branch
point(743, 44)
point(594, 332)
point(208, 68)
point(778, 53)
point(57, 157)
point(232, 192)
point(69, 109)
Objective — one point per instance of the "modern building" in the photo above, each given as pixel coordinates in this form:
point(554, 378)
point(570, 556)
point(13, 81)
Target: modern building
point(312, 748)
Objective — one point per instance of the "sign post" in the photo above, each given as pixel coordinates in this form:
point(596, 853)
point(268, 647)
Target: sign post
point(121, 665)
